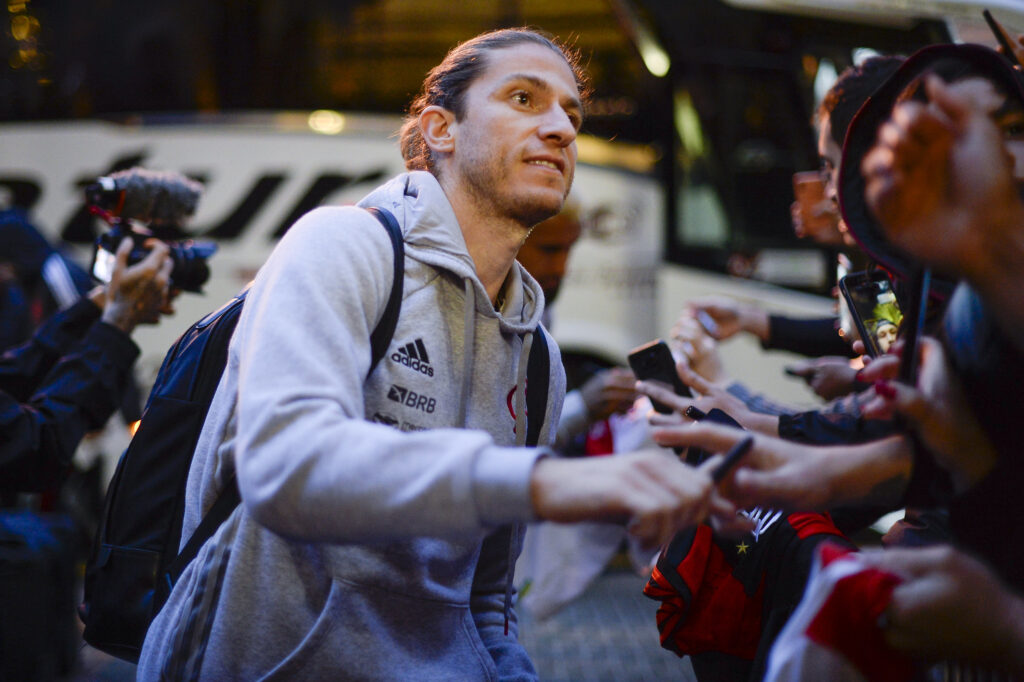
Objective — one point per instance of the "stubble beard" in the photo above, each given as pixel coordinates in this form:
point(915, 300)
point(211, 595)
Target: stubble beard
point(484, 180)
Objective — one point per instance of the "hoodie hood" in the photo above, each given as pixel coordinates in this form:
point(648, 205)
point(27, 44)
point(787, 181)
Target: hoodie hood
point(863, 131)
point(433, 236)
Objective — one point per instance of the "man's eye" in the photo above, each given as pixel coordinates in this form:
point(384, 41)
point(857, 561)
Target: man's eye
point(521, 98)
point(1014, 129)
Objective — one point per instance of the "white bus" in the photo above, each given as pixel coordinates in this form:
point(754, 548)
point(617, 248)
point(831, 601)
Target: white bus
point(697, 182)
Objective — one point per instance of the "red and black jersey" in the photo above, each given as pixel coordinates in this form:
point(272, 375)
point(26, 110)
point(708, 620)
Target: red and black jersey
point(723, 601)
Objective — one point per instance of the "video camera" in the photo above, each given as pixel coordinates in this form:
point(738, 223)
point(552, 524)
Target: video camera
point(143, 204)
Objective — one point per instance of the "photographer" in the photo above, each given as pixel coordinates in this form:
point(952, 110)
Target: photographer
point(69, 378)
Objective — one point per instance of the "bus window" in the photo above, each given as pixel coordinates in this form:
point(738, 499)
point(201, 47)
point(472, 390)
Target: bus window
point(742, 104)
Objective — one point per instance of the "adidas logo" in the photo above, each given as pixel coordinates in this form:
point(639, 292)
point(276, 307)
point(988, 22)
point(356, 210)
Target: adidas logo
point(414, 356)
point(412, 399)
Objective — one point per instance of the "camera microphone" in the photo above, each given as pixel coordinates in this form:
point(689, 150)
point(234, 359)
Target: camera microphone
point(160, 200)
point(156, 197)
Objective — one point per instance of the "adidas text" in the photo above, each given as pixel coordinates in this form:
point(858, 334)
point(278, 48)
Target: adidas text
point(414, 356)
point(413, 363)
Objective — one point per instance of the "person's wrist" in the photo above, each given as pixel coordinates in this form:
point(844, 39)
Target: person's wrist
point(756, 322)
point(834, 471)
point(877, 472)
point(98, 296)
point(540, 484)
point(119, 315)
point(762, 423)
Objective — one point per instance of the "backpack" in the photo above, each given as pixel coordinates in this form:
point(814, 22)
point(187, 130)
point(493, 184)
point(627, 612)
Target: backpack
point(135, 560)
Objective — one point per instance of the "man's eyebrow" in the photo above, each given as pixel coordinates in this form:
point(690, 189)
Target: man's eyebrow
point(574, 102)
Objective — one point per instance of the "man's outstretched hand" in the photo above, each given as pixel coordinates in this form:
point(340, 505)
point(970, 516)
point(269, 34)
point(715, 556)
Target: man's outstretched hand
point(651, 491)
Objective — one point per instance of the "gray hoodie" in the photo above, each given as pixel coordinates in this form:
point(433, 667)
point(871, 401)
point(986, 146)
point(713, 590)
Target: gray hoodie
point(375, 535)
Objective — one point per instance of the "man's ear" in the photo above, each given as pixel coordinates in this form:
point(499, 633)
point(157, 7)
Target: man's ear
point(437, 127)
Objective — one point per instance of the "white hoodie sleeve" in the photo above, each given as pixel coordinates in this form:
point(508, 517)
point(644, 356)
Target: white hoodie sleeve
point(309, 466)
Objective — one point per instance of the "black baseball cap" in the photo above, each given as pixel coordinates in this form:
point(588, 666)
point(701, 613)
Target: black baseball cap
point(863, 132)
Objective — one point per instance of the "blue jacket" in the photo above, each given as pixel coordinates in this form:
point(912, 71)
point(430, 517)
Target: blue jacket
point(66, 380)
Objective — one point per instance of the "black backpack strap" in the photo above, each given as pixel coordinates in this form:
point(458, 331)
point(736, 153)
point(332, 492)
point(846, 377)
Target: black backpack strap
point(538, 374)
point(380, 339)
point(218, 514)
point(538, 380)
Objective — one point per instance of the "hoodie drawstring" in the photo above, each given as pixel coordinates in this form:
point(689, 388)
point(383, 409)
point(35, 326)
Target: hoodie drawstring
point(469, 340)
point(524, 361)
point(468, 343)
point(521, 427)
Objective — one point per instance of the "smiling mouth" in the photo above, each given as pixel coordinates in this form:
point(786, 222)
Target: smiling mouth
point(545, 164)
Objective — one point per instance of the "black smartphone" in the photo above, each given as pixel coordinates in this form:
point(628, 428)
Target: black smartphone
point(653, 361)
point(872, 303)
point(695, 413)
point(695, 456)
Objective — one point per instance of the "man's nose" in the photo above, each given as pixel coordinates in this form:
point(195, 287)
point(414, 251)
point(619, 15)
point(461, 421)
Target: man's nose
point(558, 126)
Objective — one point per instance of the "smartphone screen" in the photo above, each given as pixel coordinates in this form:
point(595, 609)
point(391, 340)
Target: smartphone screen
point(103, 264)
point(846, 325)
point(875, 310)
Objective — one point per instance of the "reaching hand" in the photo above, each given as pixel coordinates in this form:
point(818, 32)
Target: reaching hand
point(951, 607)
point(936, 409)
point(610, 391)
point(774, 473)
point(732, 317)
point(652, 491)
point(138, 294)
point(785, 475)
point(829, 377)
point(698, 346)
point(709, 396)
point(939, 180)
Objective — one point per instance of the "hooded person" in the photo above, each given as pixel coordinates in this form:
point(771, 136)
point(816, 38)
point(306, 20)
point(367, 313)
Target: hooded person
point(381, 512)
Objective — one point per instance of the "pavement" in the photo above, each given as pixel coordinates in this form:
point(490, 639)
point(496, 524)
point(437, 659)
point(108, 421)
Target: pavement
point(607, 635)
